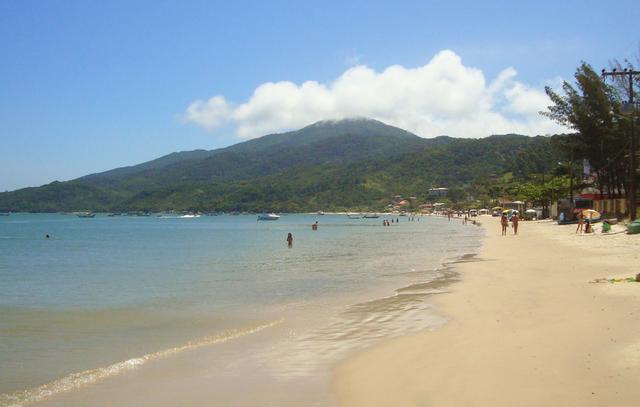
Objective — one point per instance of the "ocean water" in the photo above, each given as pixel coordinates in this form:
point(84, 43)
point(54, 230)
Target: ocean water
point(106, 296)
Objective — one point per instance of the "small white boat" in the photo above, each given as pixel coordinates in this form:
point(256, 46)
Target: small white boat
point(190, 215)
point(85, 214)
point(268, 216)
point(321, 213)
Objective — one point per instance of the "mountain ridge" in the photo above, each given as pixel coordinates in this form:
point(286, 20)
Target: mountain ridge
point(278, 171)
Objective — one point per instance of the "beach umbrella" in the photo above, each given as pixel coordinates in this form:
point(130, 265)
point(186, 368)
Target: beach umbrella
point(590, 213)
point(531, 211)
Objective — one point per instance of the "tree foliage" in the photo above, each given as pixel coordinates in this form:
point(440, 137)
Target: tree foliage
point(593, 108)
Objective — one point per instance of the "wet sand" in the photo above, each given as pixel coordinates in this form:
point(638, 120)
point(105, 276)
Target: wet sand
point(527, 327)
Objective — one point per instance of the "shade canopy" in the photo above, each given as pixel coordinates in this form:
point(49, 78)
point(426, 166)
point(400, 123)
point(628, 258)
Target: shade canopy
point(590, 213)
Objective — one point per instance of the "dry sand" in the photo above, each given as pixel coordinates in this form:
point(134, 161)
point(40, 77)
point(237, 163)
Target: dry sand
point(527, 328)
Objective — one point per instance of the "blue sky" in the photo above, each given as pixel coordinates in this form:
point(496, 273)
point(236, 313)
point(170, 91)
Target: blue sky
point(92, 85)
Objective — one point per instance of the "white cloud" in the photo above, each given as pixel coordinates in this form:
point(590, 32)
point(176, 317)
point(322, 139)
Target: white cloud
point(209, 114)
point(441, 97)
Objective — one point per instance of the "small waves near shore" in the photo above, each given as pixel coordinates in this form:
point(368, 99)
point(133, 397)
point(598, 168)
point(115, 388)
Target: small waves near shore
point(217, 303)
point(88, 377)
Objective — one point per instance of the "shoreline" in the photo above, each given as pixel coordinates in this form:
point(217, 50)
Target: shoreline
point(526, 327)
point(297, 354)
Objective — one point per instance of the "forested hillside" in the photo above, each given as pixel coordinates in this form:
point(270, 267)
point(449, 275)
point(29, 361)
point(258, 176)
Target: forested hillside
point(353, 164)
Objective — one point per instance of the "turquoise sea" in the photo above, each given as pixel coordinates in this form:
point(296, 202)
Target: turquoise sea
point(105, 296)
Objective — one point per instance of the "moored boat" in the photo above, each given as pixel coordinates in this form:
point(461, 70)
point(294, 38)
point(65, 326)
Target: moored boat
point(85, 214)
point(268, 216)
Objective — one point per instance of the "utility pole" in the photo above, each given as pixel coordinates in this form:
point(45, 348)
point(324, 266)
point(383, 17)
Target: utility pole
point(629, 73)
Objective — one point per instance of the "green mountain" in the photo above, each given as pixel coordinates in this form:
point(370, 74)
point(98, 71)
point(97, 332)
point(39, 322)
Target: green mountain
point(326, 142)
point(330, 165)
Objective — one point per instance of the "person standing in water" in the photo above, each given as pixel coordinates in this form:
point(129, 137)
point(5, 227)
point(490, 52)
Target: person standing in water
point(314, 226)
point(290, 240)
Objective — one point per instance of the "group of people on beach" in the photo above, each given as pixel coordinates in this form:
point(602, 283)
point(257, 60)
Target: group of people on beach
point(582, 228)
point(504, 221)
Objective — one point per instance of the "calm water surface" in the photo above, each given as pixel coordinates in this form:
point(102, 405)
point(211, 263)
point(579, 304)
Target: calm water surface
point(108, 289)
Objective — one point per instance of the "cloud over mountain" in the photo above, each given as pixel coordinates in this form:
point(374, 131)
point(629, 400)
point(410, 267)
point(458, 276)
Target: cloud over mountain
point(442, 97)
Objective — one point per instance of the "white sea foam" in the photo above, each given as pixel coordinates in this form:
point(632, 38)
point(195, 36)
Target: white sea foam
point(89, 377)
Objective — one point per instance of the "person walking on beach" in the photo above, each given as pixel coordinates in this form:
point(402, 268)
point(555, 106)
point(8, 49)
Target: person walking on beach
point(514, 221)
point(290, 240)
point(505, 223)
point(580, 227)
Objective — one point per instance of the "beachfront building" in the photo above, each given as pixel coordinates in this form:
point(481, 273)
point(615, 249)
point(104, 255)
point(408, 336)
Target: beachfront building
point(440, 207)
point(591, 198)
point(399, 204)
point(426, 208)
point(566, 209)
point(605, 205)
point(515, 205)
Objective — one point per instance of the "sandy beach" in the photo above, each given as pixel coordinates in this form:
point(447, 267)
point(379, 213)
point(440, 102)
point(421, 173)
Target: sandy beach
point(528, 326)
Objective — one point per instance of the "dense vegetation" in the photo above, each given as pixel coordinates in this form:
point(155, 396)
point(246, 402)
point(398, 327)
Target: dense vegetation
point(355, 164)
point(596, 110)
